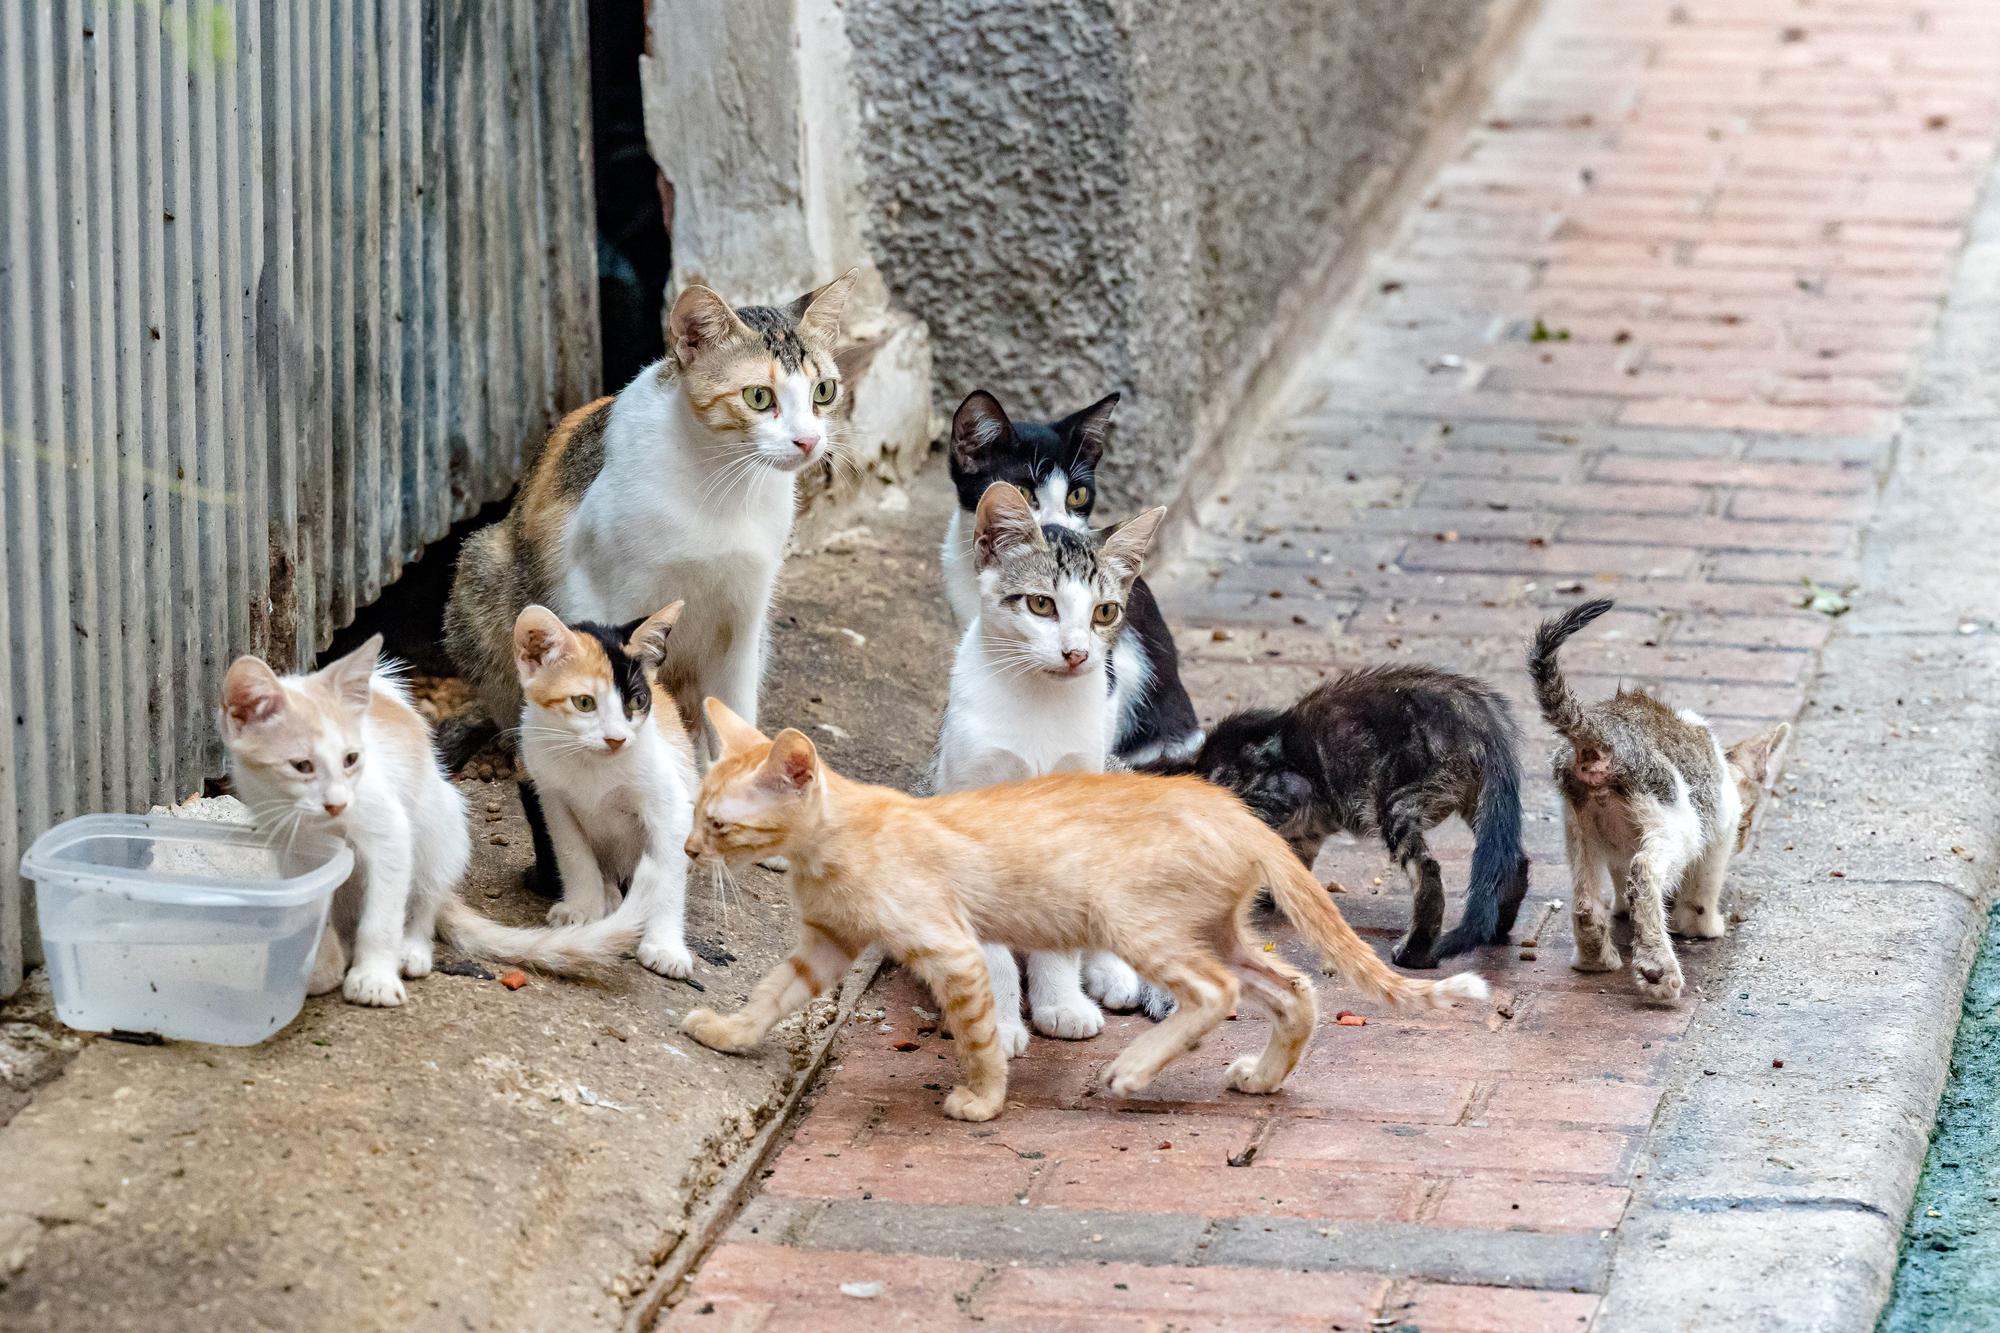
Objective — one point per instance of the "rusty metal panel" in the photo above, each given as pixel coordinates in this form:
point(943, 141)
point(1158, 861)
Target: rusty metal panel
point(285, 291)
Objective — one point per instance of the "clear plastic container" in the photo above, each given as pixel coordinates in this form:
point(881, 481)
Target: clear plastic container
point(188, 929)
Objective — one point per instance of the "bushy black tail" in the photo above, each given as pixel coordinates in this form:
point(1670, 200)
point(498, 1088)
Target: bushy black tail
point(1499, 870)
point(1558, 702)
point(463, 735)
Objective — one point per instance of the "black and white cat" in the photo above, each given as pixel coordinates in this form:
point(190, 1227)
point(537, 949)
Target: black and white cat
point(1054, 465)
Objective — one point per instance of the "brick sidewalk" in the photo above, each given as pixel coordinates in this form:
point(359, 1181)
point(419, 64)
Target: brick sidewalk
point(1733, 225)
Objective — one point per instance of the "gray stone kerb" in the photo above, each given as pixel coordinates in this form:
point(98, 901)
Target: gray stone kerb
point(1774, 1194)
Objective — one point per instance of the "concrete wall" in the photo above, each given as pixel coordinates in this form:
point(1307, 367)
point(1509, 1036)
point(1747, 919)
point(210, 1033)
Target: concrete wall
point(1080, 195)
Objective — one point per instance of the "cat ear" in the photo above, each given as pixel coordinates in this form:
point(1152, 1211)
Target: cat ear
point(734, 733)
point(792, 764)
point(647, 643)
point(978, 428)
point(1123, 546)
point(699, 321)
point(818, 313)
point(1754, 754)
point(540, 640)
point(348, 678)
point(251, 694)
point(1090, 430)
point(1002, 523)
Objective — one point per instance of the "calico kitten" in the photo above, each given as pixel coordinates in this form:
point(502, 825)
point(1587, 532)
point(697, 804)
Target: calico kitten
point(682, 486)
point(1394, 750)
point(1652, 799)
point(1158, 870)
point(614, 772)
point(341, 749)
point(1031, 694)
point(1055, 466)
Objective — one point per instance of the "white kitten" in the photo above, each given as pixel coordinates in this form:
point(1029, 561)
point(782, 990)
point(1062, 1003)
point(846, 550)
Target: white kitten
point(1031, 695)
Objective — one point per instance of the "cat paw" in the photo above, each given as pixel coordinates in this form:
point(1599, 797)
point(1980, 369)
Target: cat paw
point(1243, 1076)
point(570, 912)
point(1157, 1003)
point(417, 958)
point(779, 864)
point(1013, 1038)
point(379, 990)
point(962, 1103)
point(1074, 1020)
point(1697, 921)
point(669, 958)
point(1601, 959)
point(1658, 980)
point(1416, 957)
point(1121, 1080)
point(714, 1031)
point(1111, 981)
point(325, 979)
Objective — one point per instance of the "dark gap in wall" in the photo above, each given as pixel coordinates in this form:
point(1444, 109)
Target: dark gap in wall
point(632, 197)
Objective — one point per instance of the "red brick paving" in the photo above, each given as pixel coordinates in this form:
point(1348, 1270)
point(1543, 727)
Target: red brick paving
point(1735, 223)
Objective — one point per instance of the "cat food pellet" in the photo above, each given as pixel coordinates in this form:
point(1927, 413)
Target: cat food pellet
point(1348, 1020)
point(514, 980)
point(1777, 1064)
point(1165, 1144)
point(903, 1046)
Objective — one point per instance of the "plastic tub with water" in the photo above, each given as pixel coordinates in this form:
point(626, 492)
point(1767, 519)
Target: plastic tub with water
point(187, 929)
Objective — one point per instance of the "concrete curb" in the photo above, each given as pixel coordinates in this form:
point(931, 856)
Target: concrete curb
point(1774, 1196)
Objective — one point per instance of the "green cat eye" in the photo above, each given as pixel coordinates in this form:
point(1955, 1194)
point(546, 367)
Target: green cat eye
point(1041, 604)
point(759, 398)
point(825, 392)
point(1105, 614)
point(1079, 498)
point(633, 707)
point(583, 703)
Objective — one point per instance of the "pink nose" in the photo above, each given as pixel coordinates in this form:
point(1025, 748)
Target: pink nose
point(694, 852)
point(1074, 658)
point(335, 807)
point(806, 444)
point(614, 743)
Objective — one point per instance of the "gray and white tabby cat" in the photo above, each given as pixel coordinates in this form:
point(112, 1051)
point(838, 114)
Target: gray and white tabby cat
point(1054, 465)
point(1651, 799)
point(1030, 696)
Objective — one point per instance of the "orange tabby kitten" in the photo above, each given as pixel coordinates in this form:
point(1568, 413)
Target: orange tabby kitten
point(1157, 870)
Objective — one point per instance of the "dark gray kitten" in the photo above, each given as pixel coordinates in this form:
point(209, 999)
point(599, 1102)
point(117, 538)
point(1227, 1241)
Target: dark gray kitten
point(1393, 750)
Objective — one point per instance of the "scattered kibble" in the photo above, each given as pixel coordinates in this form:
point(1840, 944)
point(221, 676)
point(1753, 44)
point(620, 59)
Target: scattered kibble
point(514, 980)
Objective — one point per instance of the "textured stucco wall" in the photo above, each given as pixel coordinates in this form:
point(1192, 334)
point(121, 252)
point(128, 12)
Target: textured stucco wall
point(1080, 195)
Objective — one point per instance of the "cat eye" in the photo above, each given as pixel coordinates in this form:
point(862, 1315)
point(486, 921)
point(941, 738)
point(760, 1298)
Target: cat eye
point(633, 707)
point(825, 392)
point(1079, 498)
point(583, 703)
point(759, 398)
point(1041, 604)
point(1105, 614)
point(1026, 494)
point(353, 758)
point(304, 766)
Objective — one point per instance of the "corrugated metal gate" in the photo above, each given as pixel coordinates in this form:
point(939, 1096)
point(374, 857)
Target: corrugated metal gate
point(285, 289)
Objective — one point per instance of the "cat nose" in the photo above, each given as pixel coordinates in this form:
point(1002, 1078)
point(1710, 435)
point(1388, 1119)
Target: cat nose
point(1074, 658)
point(806, 444)
point(335, 807)
point(693, 852)
point(614, 743)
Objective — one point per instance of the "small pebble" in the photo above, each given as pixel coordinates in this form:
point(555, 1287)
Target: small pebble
point(514, 980)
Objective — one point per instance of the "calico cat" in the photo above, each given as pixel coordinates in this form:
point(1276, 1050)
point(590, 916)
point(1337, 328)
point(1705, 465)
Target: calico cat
point(1652, 799)
point(1159, 870)
point(1030, 695)
point(1394, 750)
point(614, 772)
point(342, 749)
point(682, 486)
point(1055, 466)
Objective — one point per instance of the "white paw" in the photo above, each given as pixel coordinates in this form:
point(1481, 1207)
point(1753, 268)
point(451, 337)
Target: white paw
point(1112, 982)
point(1603, 959)
point(1073, 1020)
point(669, 958)
point(777, 863)
point(1702, 923)
point(1242, 1076)
point(380, 990)
point(324, 979)
point(1156, 1003)
point(1658, 979)
point(417, 958)
point(569, 912)
point(1013, 1037)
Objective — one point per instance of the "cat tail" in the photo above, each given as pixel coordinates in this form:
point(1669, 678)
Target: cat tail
point(586, 950)
point(1308, 907)
point(1496, 851)
point(463, 735)
point(1559, 704)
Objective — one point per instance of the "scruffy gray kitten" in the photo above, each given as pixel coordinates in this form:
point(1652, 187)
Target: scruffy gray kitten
point(1651, 798)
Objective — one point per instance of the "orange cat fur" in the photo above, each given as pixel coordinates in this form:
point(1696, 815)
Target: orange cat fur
point(1159, 870)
